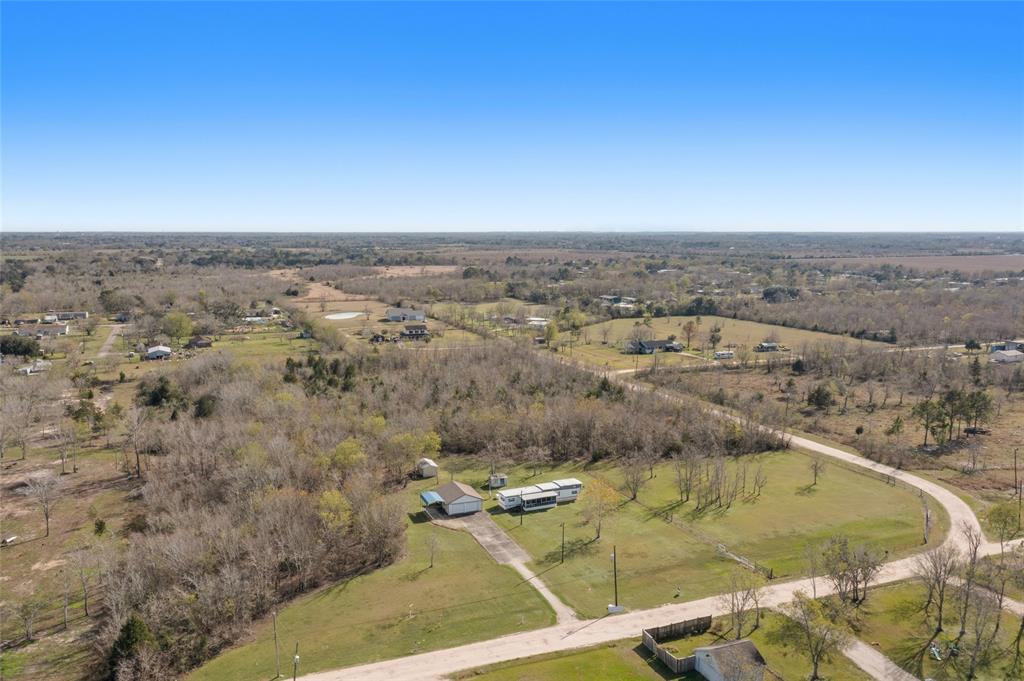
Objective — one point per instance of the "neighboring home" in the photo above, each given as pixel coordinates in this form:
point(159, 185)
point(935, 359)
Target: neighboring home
point(49, 319)
point(415, 332)
point(540, 496)
point(1007, 356)
point(454, 498)
point(158, 352)
point(199, 342)
point(730, 661)
point(994, 347)
point(536, 322)
point(378, 338)
point(257, 319)
point(122, 317)
point(767, 346)
point(36, 367)
point(649, 347)
point(404, 314)
point(68, 316)
point(42, 330)
point(724, 354)
point(426, 468)
point(305, 333)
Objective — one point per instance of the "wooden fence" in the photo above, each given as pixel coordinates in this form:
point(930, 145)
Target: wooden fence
point(652, 638)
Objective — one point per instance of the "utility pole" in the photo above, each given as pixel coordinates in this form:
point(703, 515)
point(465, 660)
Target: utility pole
point(563, 543)
point(295, 663)
point(615, 574)
point(277, 651)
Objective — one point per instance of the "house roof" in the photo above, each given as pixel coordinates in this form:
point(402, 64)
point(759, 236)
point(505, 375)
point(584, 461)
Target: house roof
point(735, 659)
point(415, 327)
point(454, 490)
point(539, 495)
point(425, 460)
point(656, 343)
point(568, 482)
point(404, 310)
point(1008, 354)
point(158, 348)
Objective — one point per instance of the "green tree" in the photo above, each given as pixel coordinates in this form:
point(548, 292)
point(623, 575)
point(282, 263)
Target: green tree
point(809, 627)
point(177, 325)
point(550, 333)
point(134, 635)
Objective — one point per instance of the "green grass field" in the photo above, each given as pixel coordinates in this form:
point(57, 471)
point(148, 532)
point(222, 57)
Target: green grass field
point(612, 357)
point(892, 617)
point(657, 558)
point(629, 661)
point(402, 609)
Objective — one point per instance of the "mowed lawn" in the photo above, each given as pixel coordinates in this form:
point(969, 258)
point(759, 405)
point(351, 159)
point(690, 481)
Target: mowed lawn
point(665, 548)
point(628, 660)
point(735, 332)
point(892, 616)
point(403, 609)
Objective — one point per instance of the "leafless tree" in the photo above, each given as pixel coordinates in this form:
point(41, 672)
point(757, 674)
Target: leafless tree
point(817, 467)
point(43, 489)
point(973, 539)
point(27, 611)
point(936, 569)
point(633, 469)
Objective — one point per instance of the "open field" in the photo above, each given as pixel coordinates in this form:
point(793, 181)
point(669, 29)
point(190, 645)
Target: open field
point(613, 359)
point(967, 264)
point(892, 617)
point(405, 608)
point(873, 408)
point(667, 551)
point(736, 333)
point(629, 661)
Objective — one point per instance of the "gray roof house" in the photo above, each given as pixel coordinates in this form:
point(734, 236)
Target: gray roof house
point(405, 314)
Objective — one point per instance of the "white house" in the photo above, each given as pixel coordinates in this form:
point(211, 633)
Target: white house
point(458, 498)
point(536, 322)
point(426, 468)
point(724, 354)
point(1007, 345)
point(404, 314)
point(1007, 356)
point(729, 661)
point(540, 496)
point(158, 352)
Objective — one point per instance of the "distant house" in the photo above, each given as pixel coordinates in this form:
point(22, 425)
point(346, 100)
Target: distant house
point(49, 319)
point(1002, 345)
point(767, 346)
point(158, 352)
point(415, 332)
point(378, 338)
point(455, 498)
point(729, 661)
point(68, 316)
point(649, 347)
point(36, 367)
point(497, 480)
point(426, 468)
point(42, 330)
point(404, 314)
point(1007, 356)
point(536, 322)
point(724, 354)
point(199, 342)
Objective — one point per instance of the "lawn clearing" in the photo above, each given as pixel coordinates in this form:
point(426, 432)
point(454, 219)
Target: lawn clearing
point(403, 609)
point(666, 552)
point(612, 357)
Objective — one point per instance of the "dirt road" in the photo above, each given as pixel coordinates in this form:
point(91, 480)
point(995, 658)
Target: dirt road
point(108, 345)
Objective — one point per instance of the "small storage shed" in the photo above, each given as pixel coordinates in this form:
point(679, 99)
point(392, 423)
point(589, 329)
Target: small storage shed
point(426, 468)
point(1007, 356)
point(158, 352)
point(458, 498)
point(497, 480)
point(734, 660)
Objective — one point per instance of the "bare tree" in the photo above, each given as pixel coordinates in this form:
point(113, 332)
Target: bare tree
point(936, 569)
point(817, 467)
point(809, 627)
point(433, 546)
point(742, 601)
point(43, 489)
point(27, 612)
point(633, 475)
point(973, 539)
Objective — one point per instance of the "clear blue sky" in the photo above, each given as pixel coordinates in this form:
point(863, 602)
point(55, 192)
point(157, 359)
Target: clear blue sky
point(462, 116)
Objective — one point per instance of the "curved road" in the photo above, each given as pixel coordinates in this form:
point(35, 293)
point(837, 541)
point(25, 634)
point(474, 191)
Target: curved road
point(566, 636)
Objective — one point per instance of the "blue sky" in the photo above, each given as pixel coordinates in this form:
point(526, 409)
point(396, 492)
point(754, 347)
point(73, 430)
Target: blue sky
point(467, 116)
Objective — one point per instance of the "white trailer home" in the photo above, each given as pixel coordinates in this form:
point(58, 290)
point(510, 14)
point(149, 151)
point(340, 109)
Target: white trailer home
point(540, 496)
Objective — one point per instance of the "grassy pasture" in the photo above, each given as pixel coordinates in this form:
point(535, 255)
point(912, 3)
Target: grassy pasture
point(657, 557)
point(402, 609)
point(612, 358)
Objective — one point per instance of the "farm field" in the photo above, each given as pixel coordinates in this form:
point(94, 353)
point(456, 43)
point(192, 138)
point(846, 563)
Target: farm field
point(630, 661)
point(659, 559)
point(405, 608)
point(966, 264)
point(892, 616)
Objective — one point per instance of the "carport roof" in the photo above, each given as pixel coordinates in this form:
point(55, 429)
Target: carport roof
point(430, 498)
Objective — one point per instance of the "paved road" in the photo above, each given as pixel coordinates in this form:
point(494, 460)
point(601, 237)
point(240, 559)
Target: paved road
point(505, 551)
point(569, 635)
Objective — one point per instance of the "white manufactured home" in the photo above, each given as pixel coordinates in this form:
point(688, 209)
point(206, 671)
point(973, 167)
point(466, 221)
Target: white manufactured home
point(540, 496)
